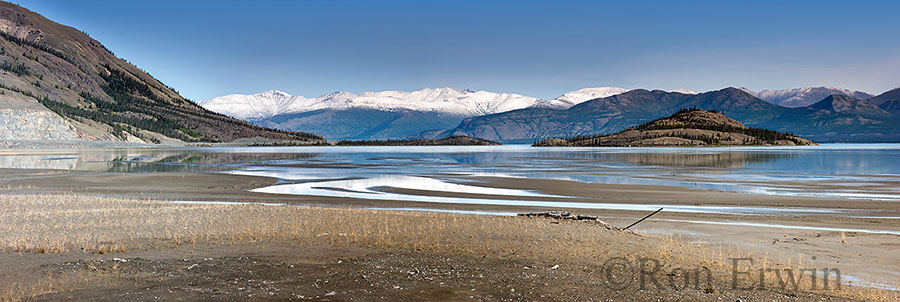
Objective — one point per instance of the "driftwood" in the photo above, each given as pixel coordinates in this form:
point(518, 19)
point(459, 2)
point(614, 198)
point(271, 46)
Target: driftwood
point(569, 216)
point(642, 219)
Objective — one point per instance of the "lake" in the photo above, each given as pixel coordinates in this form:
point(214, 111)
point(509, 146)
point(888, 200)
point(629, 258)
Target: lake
point(436, 174)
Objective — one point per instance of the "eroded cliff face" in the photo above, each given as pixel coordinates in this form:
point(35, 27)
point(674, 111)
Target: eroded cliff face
point(28, 124)
point(23, 118)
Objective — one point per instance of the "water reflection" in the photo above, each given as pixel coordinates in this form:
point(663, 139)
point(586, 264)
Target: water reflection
point(143, 160)
point(731, 160)
point(845, 171)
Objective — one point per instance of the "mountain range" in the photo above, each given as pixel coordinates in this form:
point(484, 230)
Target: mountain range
point(383, 114)
point(836, 118)
point(58, 83)
point(845, 115)
point(425, 113)
point(443, 100)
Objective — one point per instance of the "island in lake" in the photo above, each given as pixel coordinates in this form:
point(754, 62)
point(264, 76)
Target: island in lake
point(687, 127)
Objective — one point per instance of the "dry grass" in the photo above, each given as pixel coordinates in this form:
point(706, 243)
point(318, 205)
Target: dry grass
point(47, 223)
point(64, 224)
point(55, 224)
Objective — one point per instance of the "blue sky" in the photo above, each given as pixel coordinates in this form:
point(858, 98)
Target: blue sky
point(210, 48)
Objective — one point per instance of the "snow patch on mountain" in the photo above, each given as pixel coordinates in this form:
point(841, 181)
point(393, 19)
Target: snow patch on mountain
point(445, 100)
point(250, 107)
point(442, 100)
point(450, 101)
point(804, 96)
point(576, 97)
point(683, 91)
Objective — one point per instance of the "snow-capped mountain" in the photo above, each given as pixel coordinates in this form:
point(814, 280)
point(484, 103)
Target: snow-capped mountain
point(683, 91)
point(576, 97)
point(579, 96)
point(383, 114)
point(441, 100)
point(250, 107)
point(804, 96)
point(450, 101)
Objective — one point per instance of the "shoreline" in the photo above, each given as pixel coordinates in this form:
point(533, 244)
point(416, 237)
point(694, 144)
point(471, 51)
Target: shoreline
point(191, 252)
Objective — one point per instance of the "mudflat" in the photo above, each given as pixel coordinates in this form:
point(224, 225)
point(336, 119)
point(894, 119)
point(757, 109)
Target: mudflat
point(860, 245)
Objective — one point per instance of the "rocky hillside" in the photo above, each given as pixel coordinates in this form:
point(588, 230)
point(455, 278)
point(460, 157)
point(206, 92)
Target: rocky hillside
point(46, 66)
point(687, 127)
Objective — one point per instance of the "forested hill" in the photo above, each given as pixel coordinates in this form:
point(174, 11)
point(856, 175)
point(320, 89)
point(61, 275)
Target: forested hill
point(48, 65)
point(687, 127)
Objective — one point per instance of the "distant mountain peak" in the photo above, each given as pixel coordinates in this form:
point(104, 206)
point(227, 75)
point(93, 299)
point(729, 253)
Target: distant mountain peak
point(846, 104)
point(732, 90)
point(450, 89)
point(828, 102)
point(275, 94)
point(339, 94)
point(893, 94)
point(889, 101)
point(579, 96)
point(683, 91)
point(804, 96)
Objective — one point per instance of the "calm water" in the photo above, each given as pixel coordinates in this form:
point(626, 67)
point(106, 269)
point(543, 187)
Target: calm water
point(854, 171)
